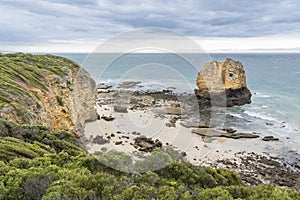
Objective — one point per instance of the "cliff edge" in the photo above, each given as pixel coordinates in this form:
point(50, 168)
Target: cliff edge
point(223, 84)
point(46, 90)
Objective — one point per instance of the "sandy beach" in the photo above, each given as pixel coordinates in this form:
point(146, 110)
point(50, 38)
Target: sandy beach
point(199, 150)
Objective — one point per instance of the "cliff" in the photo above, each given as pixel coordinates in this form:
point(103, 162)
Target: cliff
point(223, 84)
point(47, 90)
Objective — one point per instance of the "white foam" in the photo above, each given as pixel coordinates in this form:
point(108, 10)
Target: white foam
point(260, 115)
point(264, 106)
point(236, 115)
point(265, 96)
point(260, 95)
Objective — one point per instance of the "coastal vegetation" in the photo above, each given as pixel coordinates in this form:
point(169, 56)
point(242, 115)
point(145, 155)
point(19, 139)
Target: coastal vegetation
point(44, 164)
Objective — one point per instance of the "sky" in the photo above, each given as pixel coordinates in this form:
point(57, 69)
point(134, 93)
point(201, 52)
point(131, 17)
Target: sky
point(81, 25)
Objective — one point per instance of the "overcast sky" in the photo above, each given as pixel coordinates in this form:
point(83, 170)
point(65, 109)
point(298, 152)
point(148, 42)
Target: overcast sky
point(75, 25)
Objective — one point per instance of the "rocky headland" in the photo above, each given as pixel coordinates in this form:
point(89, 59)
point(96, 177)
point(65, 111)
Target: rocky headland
point(46, 90)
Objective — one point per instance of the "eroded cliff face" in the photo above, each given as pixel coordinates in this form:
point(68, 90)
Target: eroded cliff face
point(46, 90)
point(84, 99)
point(224, 83)
point(70, 100)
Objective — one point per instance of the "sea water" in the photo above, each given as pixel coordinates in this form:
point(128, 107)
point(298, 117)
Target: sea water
point(274, 80)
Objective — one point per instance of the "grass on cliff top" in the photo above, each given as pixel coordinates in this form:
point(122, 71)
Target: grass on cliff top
point(18, 69)
point(31, 69)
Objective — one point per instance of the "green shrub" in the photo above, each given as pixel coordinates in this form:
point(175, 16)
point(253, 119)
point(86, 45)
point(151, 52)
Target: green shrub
point(59, 101)
point(213, 194)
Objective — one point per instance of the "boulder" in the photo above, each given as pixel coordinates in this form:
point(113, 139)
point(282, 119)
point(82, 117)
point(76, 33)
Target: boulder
point(118, 142)
point(99, 140)
point(223, 84)
point(107, 118)
point(120, 109)
point(169, 124)
point(146, 144)
point(270, 138)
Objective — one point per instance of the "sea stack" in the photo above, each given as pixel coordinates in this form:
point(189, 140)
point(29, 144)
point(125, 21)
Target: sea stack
point(222, 84)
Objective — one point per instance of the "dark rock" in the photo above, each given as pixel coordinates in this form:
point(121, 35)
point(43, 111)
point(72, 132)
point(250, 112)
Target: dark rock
point(167, 91)
point(183, 154)
point(99, 140)
point(170, 124)
point(158, 95)
point(269, 124)
point(146, 144)
point(256, 169)
point(107, 118)
point(120, 109)
point(270, 162)
point(173, 120)
point(244, 135)
point(226, 98)
point(270, 138)
point(136, 133)
point(229, 130)
point(118, 142)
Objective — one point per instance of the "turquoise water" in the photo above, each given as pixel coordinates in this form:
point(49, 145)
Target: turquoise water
point(273, 79)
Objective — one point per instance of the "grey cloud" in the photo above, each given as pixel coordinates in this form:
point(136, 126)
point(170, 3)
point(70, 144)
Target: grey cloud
point(75, 2)
point(41, 21)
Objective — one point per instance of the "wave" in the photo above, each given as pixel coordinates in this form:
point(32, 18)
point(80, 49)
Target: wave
point(237, 115)
point(260, 95)
point(260, 116)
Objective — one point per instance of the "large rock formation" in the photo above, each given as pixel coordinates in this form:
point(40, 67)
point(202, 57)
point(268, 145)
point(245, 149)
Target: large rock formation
point(46, 90)
point(223, 84)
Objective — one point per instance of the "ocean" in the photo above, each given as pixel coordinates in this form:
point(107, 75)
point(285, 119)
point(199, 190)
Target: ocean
point(273, 79)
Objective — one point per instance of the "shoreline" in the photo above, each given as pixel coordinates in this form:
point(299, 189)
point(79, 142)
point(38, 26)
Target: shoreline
point(160, 116)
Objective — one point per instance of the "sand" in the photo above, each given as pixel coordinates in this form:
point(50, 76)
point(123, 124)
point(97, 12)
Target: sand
point(205, 151)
